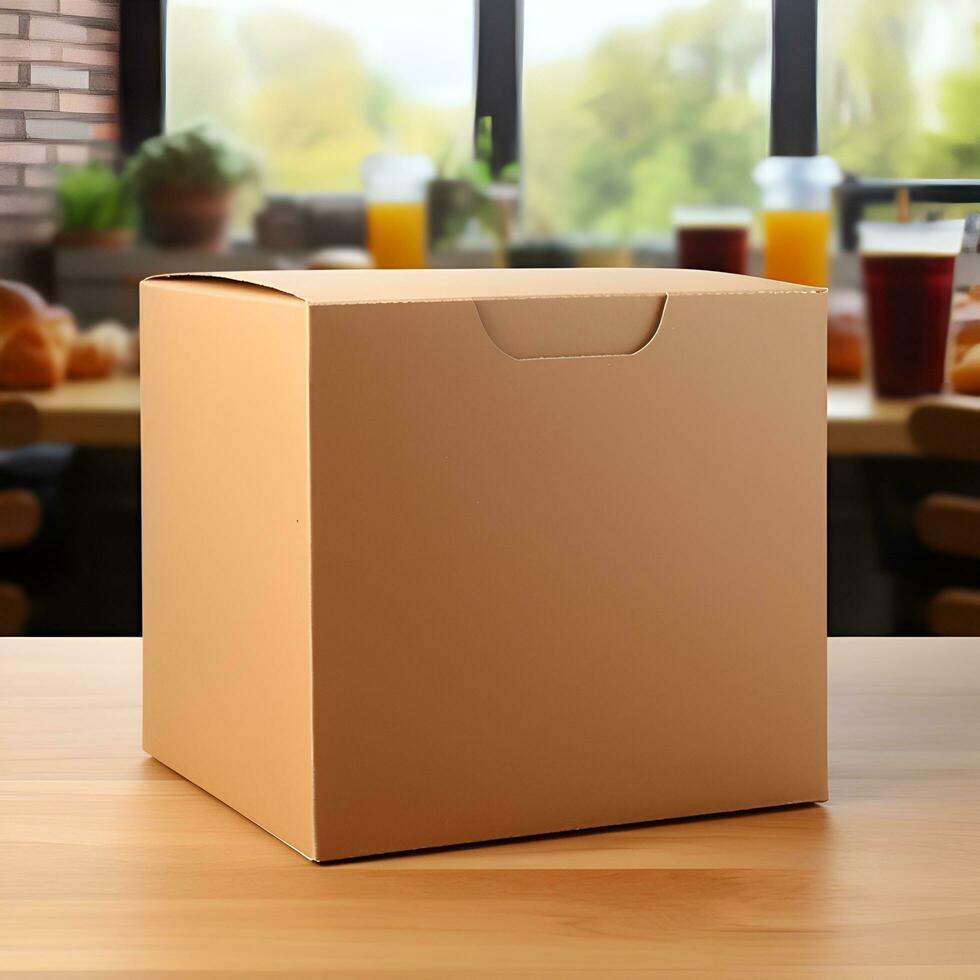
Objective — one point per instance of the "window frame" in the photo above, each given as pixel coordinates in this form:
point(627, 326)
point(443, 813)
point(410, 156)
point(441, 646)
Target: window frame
point(142, 72)
point(498, 76)
point(498, 55)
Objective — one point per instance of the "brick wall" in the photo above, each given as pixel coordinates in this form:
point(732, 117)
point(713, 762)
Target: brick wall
point(58, 76)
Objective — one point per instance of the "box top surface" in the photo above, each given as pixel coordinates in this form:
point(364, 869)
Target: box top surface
point(343, 287)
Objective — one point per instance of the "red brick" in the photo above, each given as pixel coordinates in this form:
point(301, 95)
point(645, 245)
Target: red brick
point(24, 203)
point(89, 8)
point(39, 177)
point(12, 98)
point(9, 72)
point(108, 131)
point(33, 6)
point(98, 35)
point(86, 56)
point(21, 50)
point(9, 24)
point(22, 152)
point(72, 153)
point(83, 102)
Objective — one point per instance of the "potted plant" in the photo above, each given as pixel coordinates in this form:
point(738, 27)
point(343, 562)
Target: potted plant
point(186, 184)
point(476, 194)
point(95, 207)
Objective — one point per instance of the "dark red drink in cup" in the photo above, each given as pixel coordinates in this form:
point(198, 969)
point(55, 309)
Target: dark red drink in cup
point(908, 285)
point(712, 238)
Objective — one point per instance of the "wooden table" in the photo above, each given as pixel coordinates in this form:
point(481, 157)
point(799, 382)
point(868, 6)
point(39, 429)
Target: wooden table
point(85, 413)
point(106, 413)
point(110, 862)
point(860, 424)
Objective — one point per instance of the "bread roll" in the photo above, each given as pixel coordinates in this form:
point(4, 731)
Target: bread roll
point(60, 324)
point(33, 339)
point(98, 352)
point(845, 345)
point(965, 376)
point(19, 306)
point(967, 336)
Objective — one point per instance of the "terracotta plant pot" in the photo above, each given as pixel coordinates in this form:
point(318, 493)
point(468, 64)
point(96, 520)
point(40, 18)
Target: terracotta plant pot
point(175, 216)
point(450, 203)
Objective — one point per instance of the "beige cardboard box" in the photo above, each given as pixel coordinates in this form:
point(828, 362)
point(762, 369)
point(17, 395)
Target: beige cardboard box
point(435, 557)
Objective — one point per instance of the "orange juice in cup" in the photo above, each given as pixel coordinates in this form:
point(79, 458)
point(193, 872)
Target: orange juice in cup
point(796, 246)
point(395, 190)
point(796, 203)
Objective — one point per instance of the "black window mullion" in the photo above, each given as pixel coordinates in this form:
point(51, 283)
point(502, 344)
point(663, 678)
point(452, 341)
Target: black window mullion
point(498, 77)
point(142, 67)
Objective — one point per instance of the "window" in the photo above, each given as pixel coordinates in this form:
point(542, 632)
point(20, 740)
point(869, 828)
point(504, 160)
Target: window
point(629, 106)
point(632, 106)
point(640, 106)
point(316, 85)
point(900, 86)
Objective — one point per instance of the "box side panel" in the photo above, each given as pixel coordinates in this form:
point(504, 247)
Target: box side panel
point(226, 592)
point(565, 592)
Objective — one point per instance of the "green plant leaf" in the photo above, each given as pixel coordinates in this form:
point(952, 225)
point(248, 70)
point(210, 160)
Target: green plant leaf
point(199, 156)
point(93, 198)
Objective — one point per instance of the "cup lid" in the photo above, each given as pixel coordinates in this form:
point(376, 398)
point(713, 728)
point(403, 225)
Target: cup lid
point(711, 216)
point(397, 166)
point(911, 237)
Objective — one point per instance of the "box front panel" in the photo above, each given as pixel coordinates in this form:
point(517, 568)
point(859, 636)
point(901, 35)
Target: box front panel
point(565, 592)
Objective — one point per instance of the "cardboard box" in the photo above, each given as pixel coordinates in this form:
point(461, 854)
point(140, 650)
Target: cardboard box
point(438, 557)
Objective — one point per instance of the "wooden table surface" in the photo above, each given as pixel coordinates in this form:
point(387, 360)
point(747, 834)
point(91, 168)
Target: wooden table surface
point(106, 413)
point(860, 424)
point(111, 862)
point(89, 413)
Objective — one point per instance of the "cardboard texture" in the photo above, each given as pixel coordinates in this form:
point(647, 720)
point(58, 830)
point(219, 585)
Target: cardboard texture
point(440, 557)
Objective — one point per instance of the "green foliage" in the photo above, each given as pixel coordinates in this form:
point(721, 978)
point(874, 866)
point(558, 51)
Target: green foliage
point(871, 118)
point(954, 151)
point(94, 198)
point(299, 88)
point(673, 111)
point(318, 109)
point(314, 107)
point(199, 157)
point(650, 118)
point(478, 171)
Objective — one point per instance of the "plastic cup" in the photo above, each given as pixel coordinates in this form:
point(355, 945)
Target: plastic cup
point(908, 285)
point(395, 191)
point(796, 204)
point(712, 238)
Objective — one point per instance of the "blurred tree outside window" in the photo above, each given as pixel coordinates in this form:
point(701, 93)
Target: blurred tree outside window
point(629, 106)
point(316, 85)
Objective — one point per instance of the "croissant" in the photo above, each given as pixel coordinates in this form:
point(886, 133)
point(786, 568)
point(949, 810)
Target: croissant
point(34, 339)
point(97, 352)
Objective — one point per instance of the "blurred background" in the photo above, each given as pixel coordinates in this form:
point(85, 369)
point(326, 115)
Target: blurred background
point(146, 137)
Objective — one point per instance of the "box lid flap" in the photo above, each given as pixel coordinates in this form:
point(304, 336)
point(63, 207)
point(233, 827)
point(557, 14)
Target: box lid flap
point(344, 287)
